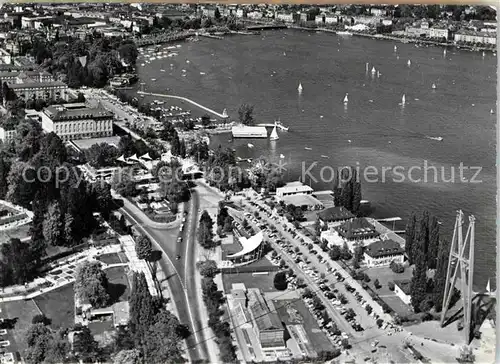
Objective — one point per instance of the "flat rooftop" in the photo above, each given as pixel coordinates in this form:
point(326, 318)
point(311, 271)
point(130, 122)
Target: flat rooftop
point(301, 200)
point(83, 144)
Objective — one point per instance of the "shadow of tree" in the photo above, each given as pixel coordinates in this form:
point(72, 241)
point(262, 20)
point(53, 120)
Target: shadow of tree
point(116, 290)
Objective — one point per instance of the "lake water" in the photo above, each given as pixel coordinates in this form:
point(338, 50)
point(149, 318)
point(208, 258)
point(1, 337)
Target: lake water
point(373, 130)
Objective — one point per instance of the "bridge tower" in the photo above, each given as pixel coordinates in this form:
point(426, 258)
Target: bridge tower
point(461, 259)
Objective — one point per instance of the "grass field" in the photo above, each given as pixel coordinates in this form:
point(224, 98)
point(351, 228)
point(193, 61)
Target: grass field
point(111, 258)
point(119, 288)
point(20, 313)
point(59, 306)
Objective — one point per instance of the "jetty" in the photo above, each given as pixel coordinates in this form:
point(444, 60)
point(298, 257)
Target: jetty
point(271, 125)
point(208, 35)
point(266, 26)
point(163, 38)
point(222, 116)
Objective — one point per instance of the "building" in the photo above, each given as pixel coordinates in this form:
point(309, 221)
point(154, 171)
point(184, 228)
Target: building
point(335, 214)
point(35, 85)
point(266, 322)
point(464, 36)
point(305, 202)
point(7, 135)
point(5, 56)
point(402, 290)
point(357, 230)
point(382, 253)
point(249, 131)
point(77, 121)
point(120, 312)
point(294, 188)
point(285, 17)
point(439, 33)
point(13, 216)
point(251, 248)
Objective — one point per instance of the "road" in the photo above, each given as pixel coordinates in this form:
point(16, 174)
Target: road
point(183, 295)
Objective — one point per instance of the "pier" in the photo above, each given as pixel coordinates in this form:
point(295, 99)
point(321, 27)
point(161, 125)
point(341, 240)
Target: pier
point(222, 116)
point(163, 38)
point(278, 125)
point(266, 26)
point(208, 35)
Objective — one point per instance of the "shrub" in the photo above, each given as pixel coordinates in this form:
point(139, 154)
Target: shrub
point(377, 284)
point(397, 267)
point(280, 282)
point(366, 278)
point(391, 286)
point(380, 322)
point(41, 319)
point(386, 307)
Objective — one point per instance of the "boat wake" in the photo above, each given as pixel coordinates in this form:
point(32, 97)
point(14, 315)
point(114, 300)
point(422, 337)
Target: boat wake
point(439, 139)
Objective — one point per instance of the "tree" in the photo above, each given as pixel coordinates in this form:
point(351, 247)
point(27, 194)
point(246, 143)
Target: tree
point(18, 263)
point(217, 14)
point(53, 225)
point(205, 231)
point(131, 356)
point(122, 182)
point(91, 284)
point(208, 268)
point(59, 347)
point(41, 319)
point(345, 253)
point(440, 274)
point(205, 120)
point(397, 267)
point(143, 247)
point(101, 155)
point(103, 198)
point(358, 256)
point(162, 340)
point(368, 309)
point(391, 285)
point(410, 235)
point(466, 354)
point(84, 346)
point(334, 252)
point(37, 337)
point(245, 113)
point(142, 309)
point(377, 284)
point(4, 172)
point(432, 251)
point(419, 280)
point(280, 282)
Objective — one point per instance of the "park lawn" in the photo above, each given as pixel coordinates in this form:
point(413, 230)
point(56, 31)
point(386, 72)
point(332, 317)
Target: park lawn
point(111, 258)
point(22, 312)
point(59, 306)
point(118, 284)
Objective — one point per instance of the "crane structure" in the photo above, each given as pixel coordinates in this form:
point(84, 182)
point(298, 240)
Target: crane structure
point(461, 261)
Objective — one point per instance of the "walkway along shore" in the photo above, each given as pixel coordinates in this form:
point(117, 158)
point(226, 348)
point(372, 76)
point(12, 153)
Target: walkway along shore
point(184, 99)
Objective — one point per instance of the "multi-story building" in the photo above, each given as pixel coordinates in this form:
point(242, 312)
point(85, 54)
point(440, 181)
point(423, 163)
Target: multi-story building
point(285, 17)
point(5, 56)
point(35, 85)
point(357, 230)
point(439, 33)
point(465, 36)
point(77, 121)
point(7, 135)
point(266, 322)
point(382, 253)
point(294, 188)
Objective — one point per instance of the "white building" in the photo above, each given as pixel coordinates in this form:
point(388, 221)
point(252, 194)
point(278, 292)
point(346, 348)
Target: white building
point(5, 56)
point(402, 290)
point(13, 216)
point(381, 253)
point(7, 136)
point(294, 188)
point(475, 37)
point(77, 121)
point(286, 17)
point(439, 33)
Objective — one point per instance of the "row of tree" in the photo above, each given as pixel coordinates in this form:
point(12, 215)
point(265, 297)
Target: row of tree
point(205, 231)
point(426, 251)
point(347, 189)
point(224, 220)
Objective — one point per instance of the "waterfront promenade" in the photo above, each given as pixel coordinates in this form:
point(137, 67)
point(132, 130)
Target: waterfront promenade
point(219, 115)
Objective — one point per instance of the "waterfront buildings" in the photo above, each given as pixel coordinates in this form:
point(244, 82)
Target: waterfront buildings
point(304, 201)
point(77, 121)
point(294, 188)
point(357, 230)
point(243, 131)
point(335, 214)
point(464, 36)
point(382, 253)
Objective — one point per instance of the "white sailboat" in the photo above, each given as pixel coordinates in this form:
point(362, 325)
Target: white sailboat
point(274, 134)
point(374, 70)
point(433, 86)
point(367, 66)
point(282, 156)
point(444, 52)
point(395, 48)
point(378, 73)
point(300, 88)
point(409, 63)
point(346, 99)
point(250, 145)
point(488, 287)
point(492, 112)
point(403, 99)
point(484, 54)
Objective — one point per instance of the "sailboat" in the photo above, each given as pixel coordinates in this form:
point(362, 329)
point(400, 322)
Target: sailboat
point(409, 63)
point(374, 70)
point(346, 99)
point(433, 86)
point(282, 156)
point(444, 52)
point(403, 99)
point(395, 48)
point(492, 112)
point(300, 87)
point(250, 145)
point(488, 287)
point(378, 73)
point(274, 134)
point(484, 54)
point(367, 67)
